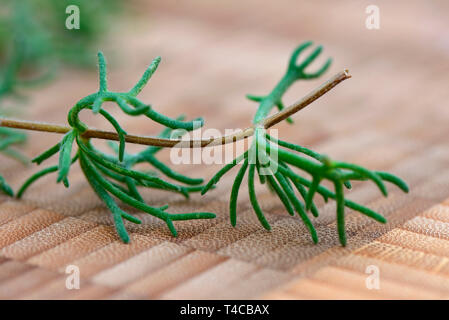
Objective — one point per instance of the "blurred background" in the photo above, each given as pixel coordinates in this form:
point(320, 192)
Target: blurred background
point(393, 115)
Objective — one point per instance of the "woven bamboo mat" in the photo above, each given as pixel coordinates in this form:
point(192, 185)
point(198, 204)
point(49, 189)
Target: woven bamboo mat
point(392, 115)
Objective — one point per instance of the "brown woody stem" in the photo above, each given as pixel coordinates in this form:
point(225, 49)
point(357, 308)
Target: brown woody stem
point(170, 143)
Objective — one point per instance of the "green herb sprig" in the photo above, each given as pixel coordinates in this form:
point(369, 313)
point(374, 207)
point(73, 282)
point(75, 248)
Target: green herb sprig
point(272, 159)
point(113, 176)
point(32, 46)
point(9, 138)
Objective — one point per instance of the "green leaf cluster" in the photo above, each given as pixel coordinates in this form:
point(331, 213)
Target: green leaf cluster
point(273, 160)
point(113, 176)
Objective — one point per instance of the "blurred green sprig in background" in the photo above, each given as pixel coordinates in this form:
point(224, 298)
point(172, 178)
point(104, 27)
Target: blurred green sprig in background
point(34, 39)
point(35, 42)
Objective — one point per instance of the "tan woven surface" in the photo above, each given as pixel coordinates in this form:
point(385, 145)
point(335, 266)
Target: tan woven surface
point(393, 115)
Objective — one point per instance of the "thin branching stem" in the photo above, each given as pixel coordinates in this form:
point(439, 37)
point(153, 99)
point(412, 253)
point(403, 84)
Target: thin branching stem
point(178, 143)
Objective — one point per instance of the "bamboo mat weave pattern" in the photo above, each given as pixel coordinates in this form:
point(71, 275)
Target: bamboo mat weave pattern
point(392, 115)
